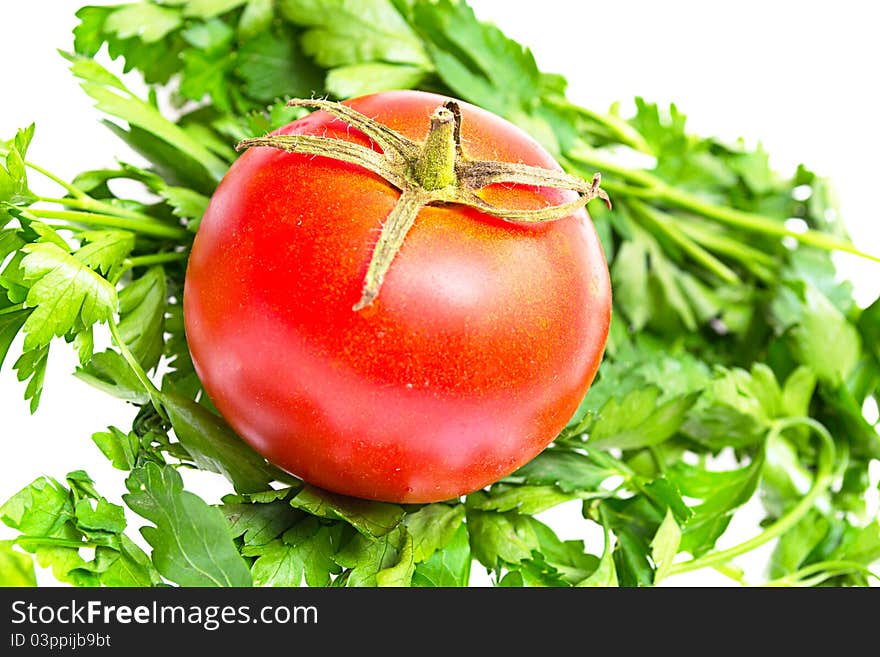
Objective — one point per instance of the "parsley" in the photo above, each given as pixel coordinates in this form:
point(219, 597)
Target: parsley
point(737, 369)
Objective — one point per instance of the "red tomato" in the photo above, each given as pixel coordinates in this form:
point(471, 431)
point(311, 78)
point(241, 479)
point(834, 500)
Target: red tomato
point(478, 349)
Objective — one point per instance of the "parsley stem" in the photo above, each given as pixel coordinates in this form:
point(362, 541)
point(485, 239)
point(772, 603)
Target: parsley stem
point(104, 220)
point(821, 482)
point(154, 259)
point(757, 223)
point(73, 190)
point(613, 125)
point(731, 573)
point(89, 203)
point(135, 366)
point(759, 263)
point(56, 542)
point(659, 221)
point(657, 190)
point(823, 570)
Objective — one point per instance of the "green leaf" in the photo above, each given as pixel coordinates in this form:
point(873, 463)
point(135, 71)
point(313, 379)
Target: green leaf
point(824, 340)
point(361, 79)
point(316, 543)
point(142, 316)
point(630, 274)
point(278, 564)
point(367, 557)
point(210, 8)
point(66, 295)
point(259, 524)
point(187, 204)
point(120, 448)
point(31, 367)
point(215, 447)
point(113, 98)
point(859, 544)
point(494, 537)
point(476, 60)
point(736, 408)
point(720, 492)
point(105, 516)
point(372, 519)
point(432, 528)
point(569, 470)
point(869, 326)
point(665, 545)
point(56, 523)
point(401, 573)
point(638, 420)
point(795, 545)
point(634, 521)
point(654, 291)
point(39, 509)
point(449, 566)
point(191, 542)
point(754, 169)
point(273, 66)
point(13, 176)
point(148, 22)
point(11, 322)
point(605, 574)
point(344, 32)
point(256, 18)
point(128, 566)
point(798, 391)
point(109, 372)
point(557, 562)
point(205, 76)
point(88, 34)
point(102, 250)
point(16, 568)
point(522, 499)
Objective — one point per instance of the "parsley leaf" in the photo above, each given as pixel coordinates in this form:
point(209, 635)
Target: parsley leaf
point(142, 316)
point(65, 294)
point(191, 541)
point(372, 519)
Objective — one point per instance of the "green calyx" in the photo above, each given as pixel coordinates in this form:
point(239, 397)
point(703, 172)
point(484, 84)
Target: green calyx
point(433, 172)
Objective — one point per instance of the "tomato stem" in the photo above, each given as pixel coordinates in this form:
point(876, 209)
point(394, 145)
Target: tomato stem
point(394, 231)
point(433, 172)
point(435, 166)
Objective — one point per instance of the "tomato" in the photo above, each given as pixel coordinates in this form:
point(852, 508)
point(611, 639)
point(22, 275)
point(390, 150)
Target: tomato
point(482, 342)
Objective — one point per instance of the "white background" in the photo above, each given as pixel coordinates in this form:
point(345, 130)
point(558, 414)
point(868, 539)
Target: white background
point(798, 76)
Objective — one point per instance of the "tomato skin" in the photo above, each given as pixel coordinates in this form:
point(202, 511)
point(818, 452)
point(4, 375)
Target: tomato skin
point(479, 347)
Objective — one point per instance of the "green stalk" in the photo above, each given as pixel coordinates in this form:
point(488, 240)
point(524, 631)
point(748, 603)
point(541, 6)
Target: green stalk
point(154, 259)
point(757, 223)
point(587, 156)
point(71, 189)
point(657, 190)
point(149, 388)
point(824, 570)
point(821, 483)
point(616, 127)
point(56, 542)
point(94, 205)
point(731, 573)
point(107, 221)
point(662, 223)
point(758, 262)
